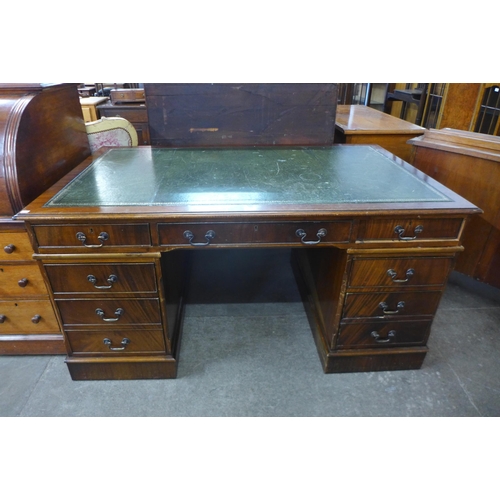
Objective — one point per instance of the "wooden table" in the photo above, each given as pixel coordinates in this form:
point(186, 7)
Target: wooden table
point(89, 107)
point(372, 239)
point(357, 124)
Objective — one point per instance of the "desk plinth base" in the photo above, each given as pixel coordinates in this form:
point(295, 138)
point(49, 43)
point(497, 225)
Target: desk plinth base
point(372, 360)
point(365, 360)
point(132, 368)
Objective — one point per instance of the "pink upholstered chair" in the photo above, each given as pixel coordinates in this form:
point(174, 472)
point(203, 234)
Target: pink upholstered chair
point(113, 131)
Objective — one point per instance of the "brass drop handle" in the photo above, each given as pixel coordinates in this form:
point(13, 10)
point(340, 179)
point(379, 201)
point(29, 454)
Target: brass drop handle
point(124, 343)
point(2, 318)
point(400, 305)
point(22, 282)
point(36, 319)
point(390, 336)
point(400, 231)
point(392, 274)
point(302, 234)
point(111, 280)
point(209, 236)
point(118, 314)
point(9, 248)
point(102, 238)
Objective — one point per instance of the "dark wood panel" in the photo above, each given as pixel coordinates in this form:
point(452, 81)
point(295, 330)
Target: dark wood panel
point(241, 114)
point(122, 368)
point(361, 360)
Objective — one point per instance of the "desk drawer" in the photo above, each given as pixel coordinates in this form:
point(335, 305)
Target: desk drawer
point(409, 229)
point(383, 334)
point(27, 316)
point(400, 272)
point(21, 280)
point(254, 233)
point(15, 246)
point(92, 236)
point(116, 343)
point(101, 278)
point(390, 305)
point(110, 313)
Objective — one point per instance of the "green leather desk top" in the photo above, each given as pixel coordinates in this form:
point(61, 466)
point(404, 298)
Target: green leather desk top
point(283, 175)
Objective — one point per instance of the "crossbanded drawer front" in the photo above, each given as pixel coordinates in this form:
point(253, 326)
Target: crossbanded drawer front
point(301, 233)
point(27, 316)
point(112, 313)
point(383, 334)
point(96, 236)
point(116, 342)
point(101, 278)
point(409, 229)
point(23, 280)
point(15, 246)
point(403, 272)
point(390, 305)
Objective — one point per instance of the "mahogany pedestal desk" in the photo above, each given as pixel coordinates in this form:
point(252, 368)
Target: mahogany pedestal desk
point(357, 124)
point(372, 242)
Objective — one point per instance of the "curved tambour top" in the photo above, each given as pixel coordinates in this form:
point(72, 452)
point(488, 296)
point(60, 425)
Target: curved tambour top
point(42, 137)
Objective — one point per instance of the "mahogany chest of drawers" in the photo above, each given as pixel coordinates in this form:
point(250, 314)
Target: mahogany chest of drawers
point(42, 138)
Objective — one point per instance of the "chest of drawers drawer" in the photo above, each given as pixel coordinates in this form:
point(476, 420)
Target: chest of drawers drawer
point(27, 316)
point(92, 236)
point(101, 278)
point(409, 229)
point(390, 305)
point(110, 313)
point(399, 271)
point(383, 334)
point(15, 246)
point(301, 233)
point(21, 280)
point(116, 343)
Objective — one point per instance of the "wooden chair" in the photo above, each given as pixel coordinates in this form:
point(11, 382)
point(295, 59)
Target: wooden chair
point(415, 96)
point(113, 131)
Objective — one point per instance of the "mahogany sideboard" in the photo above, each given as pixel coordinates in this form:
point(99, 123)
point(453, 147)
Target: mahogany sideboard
point(372, 241)
point(468, 163)
point(358, 124)
point(42, 138)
